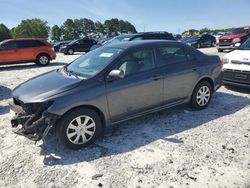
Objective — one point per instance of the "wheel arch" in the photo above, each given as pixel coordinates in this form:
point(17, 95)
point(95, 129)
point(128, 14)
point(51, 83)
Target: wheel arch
point(94, 108)
point(43, 53)
point(205, 78)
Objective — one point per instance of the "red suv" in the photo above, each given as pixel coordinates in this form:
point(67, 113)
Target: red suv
point(24, 50)
point(235, 35)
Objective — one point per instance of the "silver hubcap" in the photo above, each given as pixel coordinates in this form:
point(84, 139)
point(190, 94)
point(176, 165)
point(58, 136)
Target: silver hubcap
point(203, 96)
point(43, 60)
point(81, 129)
point(70, 51)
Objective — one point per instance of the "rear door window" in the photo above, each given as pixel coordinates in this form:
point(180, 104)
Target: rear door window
point(29, 43)
point(171, 55)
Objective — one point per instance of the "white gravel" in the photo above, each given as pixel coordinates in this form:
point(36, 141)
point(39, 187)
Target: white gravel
point(178, 147)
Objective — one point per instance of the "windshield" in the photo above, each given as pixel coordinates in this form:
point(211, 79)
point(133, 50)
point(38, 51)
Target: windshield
point(236, 31)
point(93, 62)
point(195, 37)
point(245, 45)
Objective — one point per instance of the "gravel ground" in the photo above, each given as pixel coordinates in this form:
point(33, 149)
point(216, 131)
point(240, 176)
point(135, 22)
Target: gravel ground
point(177, 147)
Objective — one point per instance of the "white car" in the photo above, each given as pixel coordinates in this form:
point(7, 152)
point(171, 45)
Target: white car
point(237, 66)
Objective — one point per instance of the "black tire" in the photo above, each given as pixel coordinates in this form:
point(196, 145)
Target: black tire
point(196, 96)
point(70, 51)
point(42, 59)
point(69, 120)
point(220, 50)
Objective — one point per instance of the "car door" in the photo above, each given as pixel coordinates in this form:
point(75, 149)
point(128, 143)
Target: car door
point(8, 52)
point(26, 49)
point(206, 40)
point(179, 72)
point(86, 44)
point(141, 88)
point(78, 46)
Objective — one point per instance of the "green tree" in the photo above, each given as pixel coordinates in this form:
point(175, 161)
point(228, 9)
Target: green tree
point(204, 30)
point(99, 29)
point(4, 32)
point(69, 30)
point(114, 26)
point(126, 27)
point(84, 27)
point(32, 28)
point(56, 33)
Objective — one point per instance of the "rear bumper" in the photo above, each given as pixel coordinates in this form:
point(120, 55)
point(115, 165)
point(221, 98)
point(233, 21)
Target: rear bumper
point(53, 55)
point(218, 81)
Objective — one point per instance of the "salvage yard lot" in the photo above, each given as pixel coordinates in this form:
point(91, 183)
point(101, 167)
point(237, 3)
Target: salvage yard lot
point(176, 147)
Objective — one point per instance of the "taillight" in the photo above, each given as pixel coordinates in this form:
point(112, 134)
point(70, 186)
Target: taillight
point(221, 63)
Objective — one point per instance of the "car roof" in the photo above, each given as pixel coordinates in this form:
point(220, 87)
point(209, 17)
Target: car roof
point(143, 33)
point(15, 39)
point(142, 43)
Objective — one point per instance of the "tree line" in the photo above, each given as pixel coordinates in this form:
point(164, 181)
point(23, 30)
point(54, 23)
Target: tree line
point(69, 30)
point(203, 30)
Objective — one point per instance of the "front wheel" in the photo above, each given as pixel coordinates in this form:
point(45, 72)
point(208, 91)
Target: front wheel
point(70, 52)
point(79, 128)
point(198, 45)
point(201, 95)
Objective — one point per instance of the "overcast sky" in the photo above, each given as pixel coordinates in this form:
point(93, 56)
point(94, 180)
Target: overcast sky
point(152, 15)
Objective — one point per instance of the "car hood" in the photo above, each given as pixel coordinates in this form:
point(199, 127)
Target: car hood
point(39, 88)
point(240, 55)
point(232, 36)
point(239, 60)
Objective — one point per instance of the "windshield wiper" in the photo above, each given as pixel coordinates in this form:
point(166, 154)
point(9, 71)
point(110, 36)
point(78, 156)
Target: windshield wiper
point(70, 72)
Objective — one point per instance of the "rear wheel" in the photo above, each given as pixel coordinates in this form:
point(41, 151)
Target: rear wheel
point(198, 45)
point(201, 95)
point(79, 128)
point(43, 60)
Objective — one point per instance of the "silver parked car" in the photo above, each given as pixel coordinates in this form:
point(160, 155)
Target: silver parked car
point(113, 84)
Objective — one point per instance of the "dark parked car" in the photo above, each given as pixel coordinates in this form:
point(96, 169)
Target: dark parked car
point(59, 44)
point(199, 41)
point(113, 84)
point(137, 36)
point(80, 45)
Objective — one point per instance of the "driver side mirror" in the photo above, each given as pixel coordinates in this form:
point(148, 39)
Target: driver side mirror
point(237, 45)
point(116, 74)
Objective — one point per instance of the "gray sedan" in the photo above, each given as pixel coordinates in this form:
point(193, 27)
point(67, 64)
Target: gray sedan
point(113, 84)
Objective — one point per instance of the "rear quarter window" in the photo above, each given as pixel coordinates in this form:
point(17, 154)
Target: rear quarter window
point(9, 45)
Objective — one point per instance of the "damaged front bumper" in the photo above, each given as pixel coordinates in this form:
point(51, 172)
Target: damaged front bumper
point(34, 119)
